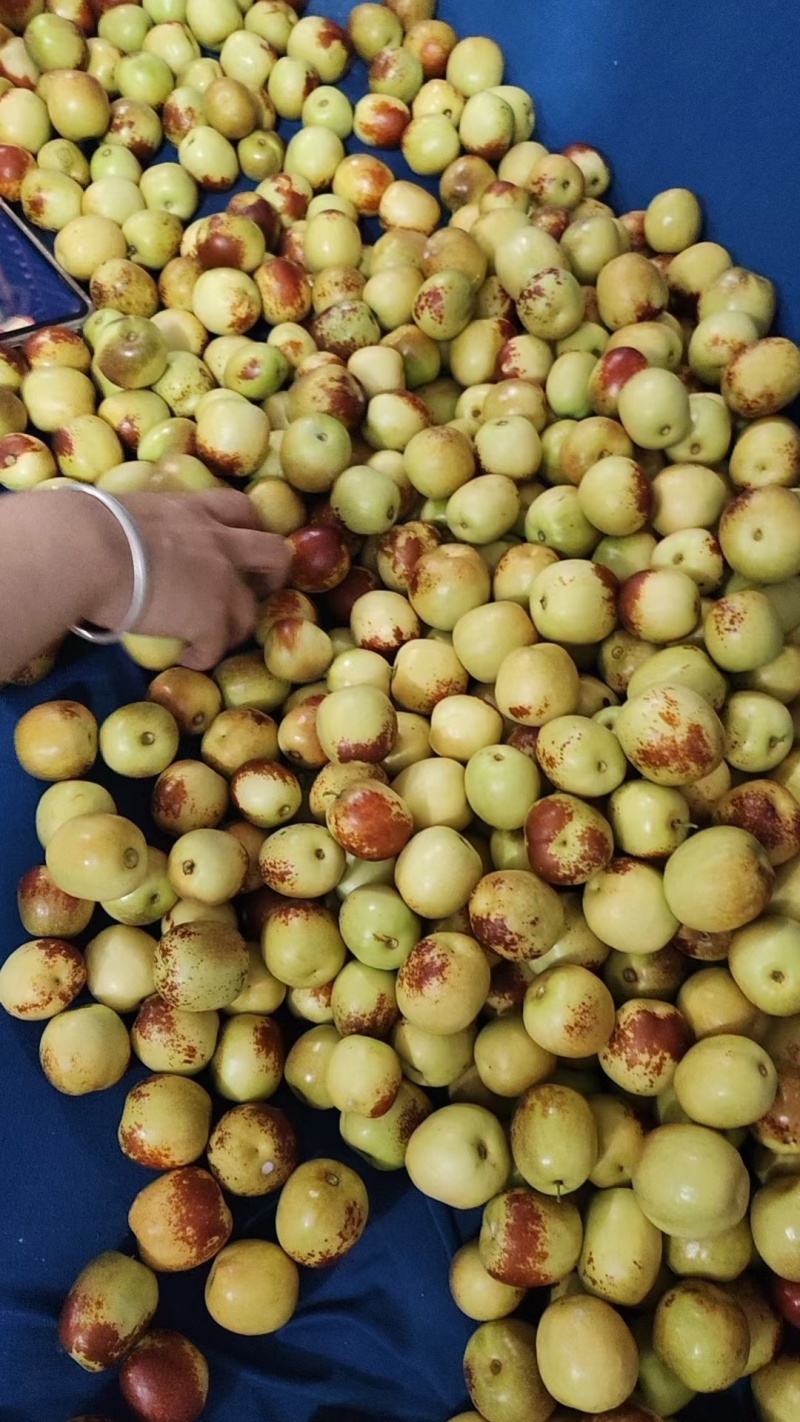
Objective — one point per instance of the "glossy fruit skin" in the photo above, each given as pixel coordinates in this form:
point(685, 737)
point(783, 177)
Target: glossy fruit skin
point(713, 1185)
point(577, 1328)
point(501, 1372)
point(751, 1087)
point(755, 517)
point(649, 1040)
point(773, 1220)
point(84, 1050)
point(566, 840)
point(784, 1294)
point(776, 1389)
point(622, 1250)
point(108, 1308)
point(252, 1130)
point(723, 1259)
point(200, 966)
point(567, 1010)
point(720, 851)
point(515, 914)
point(57, 740)
point(434, 960)
point(41, 978)
point(248, 1059)
point(701, 1333)
point(762, 379)
point(475, 1292)
point(144, 1129)
point(165, 1376)
point(159, 1214)
point(100, 856)
point(654, 409)
point(252, 1287)
point(171, 1039)
point(528, 1240)
point(317, 1226)
point(554, 1139)
point(459, 1155)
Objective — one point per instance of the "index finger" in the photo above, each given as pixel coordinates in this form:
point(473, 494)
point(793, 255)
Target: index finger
point(229, 507)
point(254, 551)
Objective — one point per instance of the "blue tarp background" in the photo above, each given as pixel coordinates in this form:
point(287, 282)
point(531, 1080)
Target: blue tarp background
point(695, 92)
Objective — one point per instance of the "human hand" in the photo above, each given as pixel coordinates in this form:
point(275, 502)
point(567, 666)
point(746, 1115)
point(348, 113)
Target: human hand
point(209, 564)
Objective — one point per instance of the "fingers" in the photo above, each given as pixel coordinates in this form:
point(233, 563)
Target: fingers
point(208, 561)
point(264, 583)
point(199, 658)
point(228, 507)
point(266, 554)
point(242, 617)
point(233, 624)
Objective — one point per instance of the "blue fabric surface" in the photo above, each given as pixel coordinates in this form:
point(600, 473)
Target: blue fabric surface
point(685, 93)
point(376, 1337)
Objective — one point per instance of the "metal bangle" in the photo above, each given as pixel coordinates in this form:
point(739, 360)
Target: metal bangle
point(138, 553)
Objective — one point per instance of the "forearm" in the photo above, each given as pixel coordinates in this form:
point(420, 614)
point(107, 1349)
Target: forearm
point(65, 559)
point(60, 555)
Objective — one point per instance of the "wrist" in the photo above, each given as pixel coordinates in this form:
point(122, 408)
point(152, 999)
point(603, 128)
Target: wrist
point(99, 550)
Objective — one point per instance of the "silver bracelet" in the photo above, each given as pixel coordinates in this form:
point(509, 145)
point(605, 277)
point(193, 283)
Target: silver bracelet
point(138, 553)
